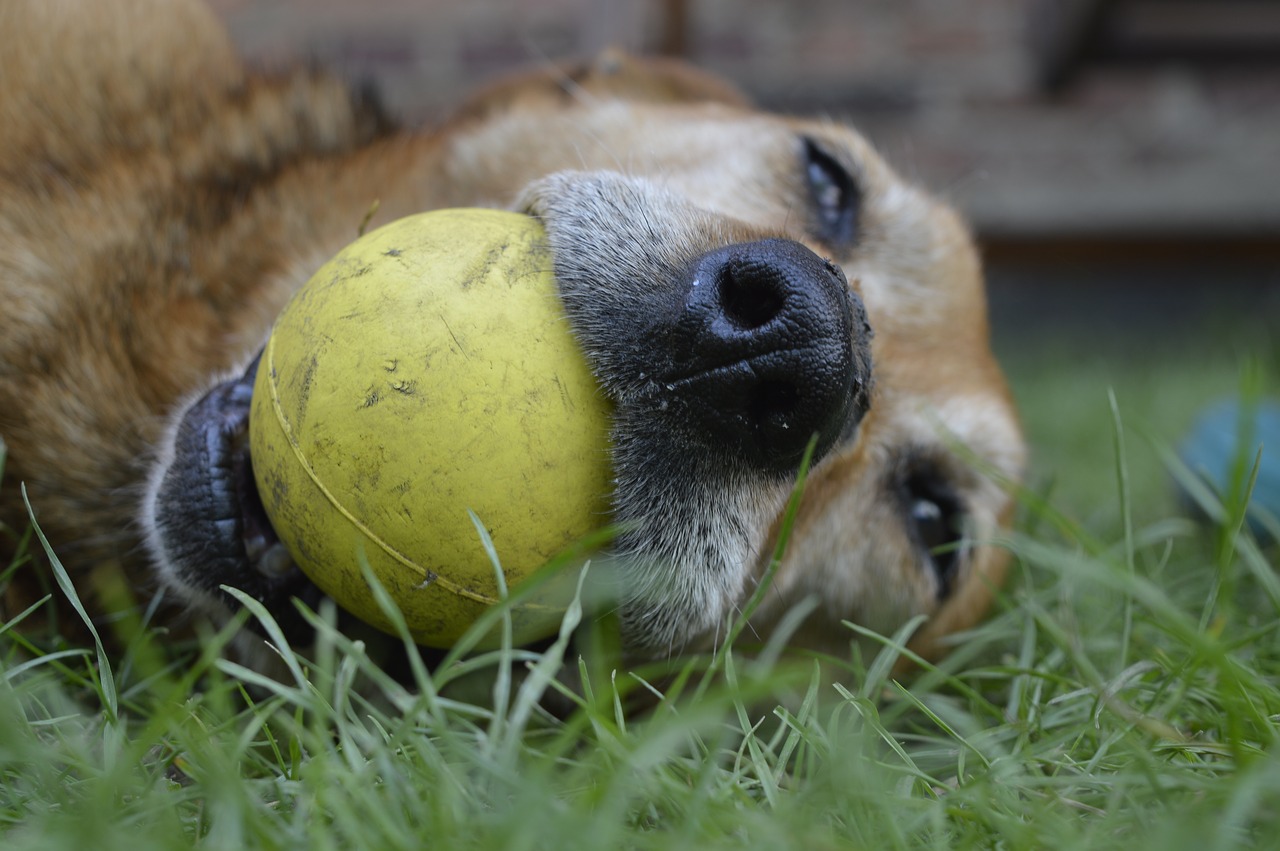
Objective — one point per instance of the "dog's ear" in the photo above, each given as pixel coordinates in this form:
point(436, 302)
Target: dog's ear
point(616, 73)
point(612, 75)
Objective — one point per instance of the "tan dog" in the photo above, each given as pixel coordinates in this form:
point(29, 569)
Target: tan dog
point(158, 204)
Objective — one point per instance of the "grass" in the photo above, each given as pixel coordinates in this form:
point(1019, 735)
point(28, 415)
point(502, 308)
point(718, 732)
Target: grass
point(1124, 694)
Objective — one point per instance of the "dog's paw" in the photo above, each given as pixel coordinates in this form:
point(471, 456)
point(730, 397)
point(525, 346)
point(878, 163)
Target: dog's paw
point(206, 527)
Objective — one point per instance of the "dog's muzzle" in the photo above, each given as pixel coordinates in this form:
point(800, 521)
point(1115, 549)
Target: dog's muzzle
point(771, 348)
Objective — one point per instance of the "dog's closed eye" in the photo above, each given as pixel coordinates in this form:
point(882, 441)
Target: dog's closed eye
point(834, 194)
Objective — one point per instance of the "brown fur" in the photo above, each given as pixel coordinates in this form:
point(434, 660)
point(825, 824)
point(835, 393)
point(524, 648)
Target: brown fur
point(159, 203)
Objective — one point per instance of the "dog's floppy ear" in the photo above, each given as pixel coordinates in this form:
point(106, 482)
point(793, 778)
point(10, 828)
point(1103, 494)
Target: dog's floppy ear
point(616, 73)
point(613, 74)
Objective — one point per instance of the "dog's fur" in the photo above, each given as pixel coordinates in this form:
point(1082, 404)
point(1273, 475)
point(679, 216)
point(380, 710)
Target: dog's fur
point(159, 203)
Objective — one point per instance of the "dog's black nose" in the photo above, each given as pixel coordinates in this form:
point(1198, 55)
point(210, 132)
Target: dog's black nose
point(771, 348)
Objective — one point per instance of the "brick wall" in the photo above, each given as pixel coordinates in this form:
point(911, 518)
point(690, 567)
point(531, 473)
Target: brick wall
point(946, 87)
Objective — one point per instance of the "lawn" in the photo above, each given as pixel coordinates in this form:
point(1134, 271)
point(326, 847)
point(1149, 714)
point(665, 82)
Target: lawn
point(1124, 694)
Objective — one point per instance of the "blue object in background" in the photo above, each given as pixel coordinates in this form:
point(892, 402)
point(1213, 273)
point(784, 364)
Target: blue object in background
point(1213, 447)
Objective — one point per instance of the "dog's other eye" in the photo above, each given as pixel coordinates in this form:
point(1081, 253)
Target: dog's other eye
point(935, 519)
point(835, 195)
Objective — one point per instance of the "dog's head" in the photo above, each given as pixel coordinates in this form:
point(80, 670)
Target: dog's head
point(741, 282)
point(898, 518)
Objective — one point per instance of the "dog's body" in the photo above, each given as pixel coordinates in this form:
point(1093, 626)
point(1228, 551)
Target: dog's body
point(158, 205)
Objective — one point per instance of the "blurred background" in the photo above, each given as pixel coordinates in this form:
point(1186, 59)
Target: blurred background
point(1119, 161)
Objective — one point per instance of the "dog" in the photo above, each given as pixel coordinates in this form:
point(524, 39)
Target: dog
point(744, 285)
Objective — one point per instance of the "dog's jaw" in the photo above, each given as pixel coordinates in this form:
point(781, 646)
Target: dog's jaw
point(683, 570)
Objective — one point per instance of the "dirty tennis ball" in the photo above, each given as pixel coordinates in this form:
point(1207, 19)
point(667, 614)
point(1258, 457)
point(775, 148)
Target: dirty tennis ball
point(425, 372)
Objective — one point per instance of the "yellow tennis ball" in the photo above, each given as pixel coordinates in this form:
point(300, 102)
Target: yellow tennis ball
point(427, 370)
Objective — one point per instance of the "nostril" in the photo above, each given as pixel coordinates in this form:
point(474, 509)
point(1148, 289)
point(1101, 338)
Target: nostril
point(751, 295)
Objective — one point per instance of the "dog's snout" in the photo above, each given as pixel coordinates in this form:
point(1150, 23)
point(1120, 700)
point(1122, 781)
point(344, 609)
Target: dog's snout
point(770, 349)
